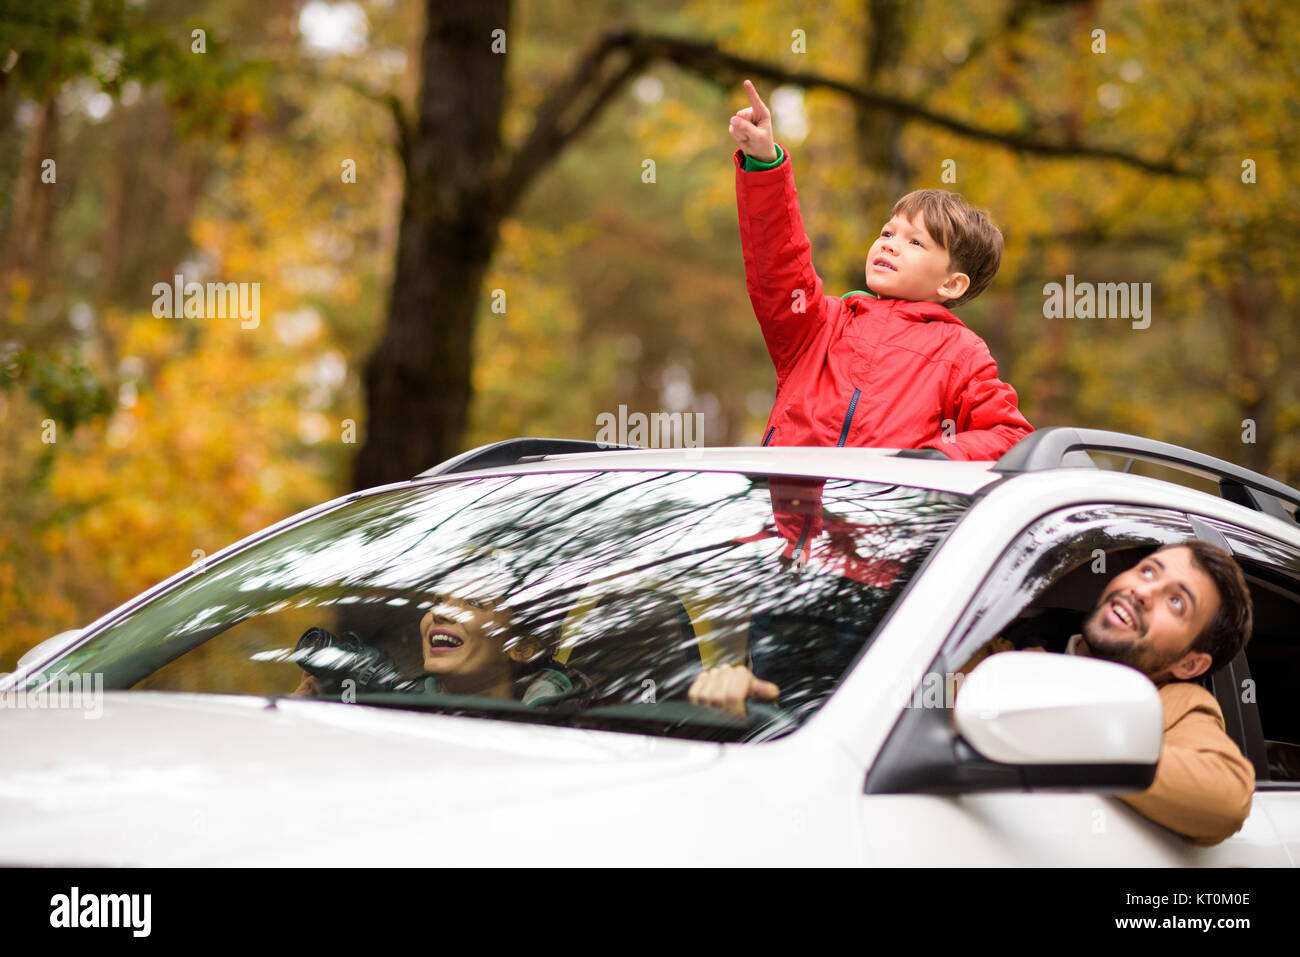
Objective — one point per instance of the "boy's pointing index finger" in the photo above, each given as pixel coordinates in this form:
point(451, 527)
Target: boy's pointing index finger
point(755, 101)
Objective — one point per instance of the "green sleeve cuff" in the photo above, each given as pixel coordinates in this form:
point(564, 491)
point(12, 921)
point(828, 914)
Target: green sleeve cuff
point(753, 165)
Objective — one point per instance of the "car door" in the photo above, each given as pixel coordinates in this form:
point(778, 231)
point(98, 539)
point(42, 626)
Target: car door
point(1259, 693)
point(1055, 569)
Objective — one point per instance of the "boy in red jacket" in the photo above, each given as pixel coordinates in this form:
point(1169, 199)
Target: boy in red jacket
point(889, 368)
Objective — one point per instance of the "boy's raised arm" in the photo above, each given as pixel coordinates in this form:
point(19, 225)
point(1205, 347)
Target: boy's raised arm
point(783, 286)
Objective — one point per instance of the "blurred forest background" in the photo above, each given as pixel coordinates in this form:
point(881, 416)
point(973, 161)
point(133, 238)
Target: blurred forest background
point(213, 138)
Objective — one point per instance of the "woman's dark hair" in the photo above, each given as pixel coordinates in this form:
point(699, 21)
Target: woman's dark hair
point(1230, 629)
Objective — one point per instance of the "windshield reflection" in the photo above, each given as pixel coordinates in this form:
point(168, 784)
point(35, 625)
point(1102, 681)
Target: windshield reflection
point(568, 593)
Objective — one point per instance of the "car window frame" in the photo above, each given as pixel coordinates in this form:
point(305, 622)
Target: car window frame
point(1242, 722)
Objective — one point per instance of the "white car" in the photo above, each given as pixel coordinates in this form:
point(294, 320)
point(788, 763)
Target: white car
point(855, 579)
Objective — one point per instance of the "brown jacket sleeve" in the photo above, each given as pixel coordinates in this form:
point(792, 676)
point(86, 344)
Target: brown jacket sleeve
point(1203, 785)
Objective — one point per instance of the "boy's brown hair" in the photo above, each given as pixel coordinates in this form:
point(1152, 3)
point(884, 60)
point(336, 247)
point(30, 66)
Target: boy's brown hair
point(973, 243)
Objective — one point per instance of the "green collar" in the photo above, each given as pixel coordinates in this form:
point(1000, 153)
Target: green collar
point(865, 292)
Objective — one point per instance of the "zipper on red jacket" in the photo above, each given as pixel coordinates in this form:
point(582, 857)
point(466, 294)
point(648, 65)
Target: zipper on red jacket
point(769, 435)
point(848, 418)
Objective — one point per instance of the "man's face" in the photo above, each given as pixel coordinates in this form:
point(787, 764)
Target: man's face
point(906, 262)
point(1149, 616)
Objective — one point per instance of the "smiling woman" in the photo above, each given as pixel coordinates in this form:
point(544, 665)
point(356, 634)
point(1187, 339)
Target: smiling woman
point(589, 598)
point(473, 647)
point(469, 647)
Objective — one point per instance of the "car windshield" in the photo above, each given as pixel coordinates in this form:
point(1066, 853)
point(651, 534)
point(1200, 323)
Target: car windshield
point(591, 599)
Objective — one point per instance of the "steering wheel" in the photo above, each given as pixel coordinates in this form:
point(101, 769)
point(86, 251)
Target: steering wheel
point(761, 719)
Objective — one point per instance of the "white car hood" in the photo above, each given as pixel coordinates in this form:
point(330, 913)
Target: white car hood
point(177, 779)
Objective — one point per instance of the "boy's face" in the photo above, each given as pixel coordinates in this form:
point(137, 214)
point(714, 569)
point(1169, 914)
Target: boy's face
point(906, 262)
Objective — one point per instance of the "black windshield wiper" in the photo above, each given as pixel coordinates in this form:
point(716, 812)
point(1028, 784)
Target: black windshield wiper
point(450, 703)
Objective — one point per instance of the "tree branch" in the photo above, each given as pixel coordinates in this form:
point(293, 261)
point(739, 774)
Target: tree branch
point(551, 132)
point(707, 60)
point(1013, 17)
point(591, 81)
point(389, 100)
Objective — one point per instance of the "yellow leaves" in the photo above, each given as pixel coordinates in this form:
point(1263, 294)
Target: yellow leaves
point(146, 336)
point(220, 430)
point(209, 453)
point(525, 354)
point(20, 293)
point(671, 128)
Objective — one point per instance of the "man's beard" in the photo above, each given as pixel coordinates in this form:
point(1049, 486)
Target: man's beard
point(1125, 651)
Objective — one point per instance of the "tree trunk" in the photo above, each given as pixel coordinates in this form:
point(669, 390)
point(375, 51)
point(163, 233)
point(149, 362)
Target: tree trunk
point(879, 133)
point(1254, 389)
point(26, 244)
point(1051, 400)
point(417, 381)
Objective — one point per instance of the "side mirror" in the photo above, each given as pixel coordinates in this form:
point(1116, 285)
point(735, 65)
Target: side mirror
point(1045, 711)
point(50, 647)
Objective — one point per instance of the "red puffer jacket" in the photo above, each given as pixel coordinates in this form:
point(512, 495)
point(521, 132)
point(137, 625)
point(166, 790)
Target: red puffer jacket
point(861, 371)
